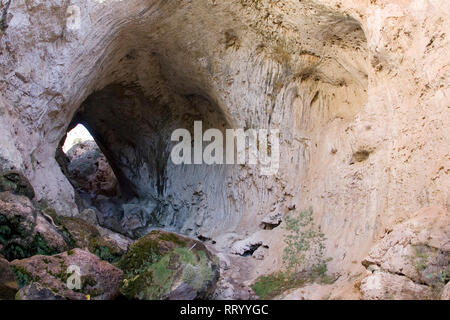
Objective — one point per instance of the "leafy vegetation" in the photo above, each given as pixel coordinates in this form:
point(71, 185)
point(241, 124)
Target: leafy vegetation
point(269, 286)
point(23, 277)
point(444, 275)
point(436, 278)
point(304, 244)
point(19, 239)
point(421, 258)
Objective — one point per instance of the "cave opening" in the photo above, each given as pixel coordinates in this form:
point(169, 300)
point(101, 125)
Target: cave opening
point(141, 91)
point(121, 168)
point(87, 168)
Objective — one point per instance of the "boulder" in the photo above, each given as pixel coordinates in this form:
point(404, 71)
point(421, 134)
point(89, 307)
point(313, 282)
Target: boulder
point(36, 291)
point(165, 265)
point(415, 255)
point(74, 275)
point(89, 170)
point(247, 246)
point(25, 231)
point(272, 221)
point(8, 284)
point(387, 286)
point(81, 234)
point(120, 241)
point(80, 148)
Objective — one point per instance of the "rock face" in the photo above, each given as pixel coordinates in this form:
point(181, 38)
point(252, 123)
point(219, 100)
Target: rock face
point(89, 275)
point(358, 89)
point(412, 261)
point(387, 286)
point(272, 221)
point(25, 231)
point(164, 265)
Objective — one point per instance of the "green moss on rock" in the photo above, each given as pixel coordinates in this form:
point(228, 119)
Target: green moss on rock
point(107, 253)
point(161, 263)
point(152, 282)
point(19, 235)
point(141, 253)
point(41, 246)
point(23, 277)
point(172, 238)
point(38, 245)
point(80, 234)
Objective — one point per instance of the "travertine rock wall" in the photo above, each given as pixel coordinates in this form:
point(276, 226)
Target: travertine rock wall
point(358, 89)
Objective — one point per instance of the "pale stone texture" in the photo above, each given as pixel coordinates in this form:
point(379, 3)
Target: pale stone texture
point(412, 260)
point(359, 91)
point(35, 291)
point(446, 292)
point(387, 286)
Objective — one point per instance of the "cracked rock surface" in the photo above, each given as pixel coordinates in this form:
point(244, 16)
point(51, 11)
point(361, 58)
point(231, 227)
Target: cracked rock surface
point(412, 260)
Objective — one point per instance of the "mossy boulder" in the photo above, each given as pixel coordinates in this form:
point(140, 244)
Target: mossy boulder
point(81, 234)
point(165, 265)
point(24, 230)
point(28, 228)
point(91, 277)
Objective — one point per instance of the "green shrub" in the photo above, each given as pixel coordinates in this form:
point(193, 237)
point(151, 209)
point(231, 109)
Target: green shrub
point(23, 277)
point(303, 258)
point(267, 287)
point(304, 251)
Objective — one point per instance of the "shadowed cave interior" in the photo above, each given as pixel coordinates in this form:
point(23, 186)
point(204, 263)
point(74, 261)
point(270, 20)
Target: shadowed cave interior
point(151, 95)
point(134, 134)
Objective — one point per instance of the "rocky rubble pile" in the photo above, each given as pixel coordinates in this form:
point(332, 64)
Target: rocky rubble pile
point(44, 256)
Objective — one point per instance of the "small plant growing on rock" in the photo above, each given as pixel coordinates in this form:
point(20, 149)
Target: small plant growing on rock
point(304, 252)
point(303, 258)
point(281, 53)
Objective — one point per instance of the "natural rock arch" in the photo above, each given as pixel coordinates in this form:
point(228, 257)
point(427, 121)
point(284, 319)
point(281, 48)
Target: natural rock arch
point(298, 80)
point(334, 77)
